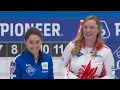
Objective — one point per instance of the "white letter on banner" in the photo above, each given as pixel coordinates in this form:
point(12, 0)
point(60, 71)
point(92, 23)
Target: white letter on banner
point(28, 25)
point(55, 29)
point(4, 28)
point(19, 26)
point(39, 26)
point(117, 28)
point(46, 29)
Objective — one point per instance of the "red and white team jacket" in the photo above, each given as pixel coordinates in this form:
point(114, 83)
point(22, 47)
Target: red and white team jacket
point(85, 66)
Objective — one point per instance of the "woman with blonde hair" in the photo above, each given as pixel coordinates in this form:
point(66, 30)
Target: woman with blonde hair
point(87, 57)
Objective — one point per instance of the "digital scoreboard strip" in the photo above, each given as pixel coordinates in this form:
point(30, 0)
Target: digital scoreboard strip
point(12, 49)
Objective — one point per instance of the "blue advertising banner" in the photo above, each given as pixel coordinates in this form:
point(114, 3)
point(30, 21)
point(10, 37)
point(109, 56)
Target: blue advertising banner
point(13, 29)
point(61, 30)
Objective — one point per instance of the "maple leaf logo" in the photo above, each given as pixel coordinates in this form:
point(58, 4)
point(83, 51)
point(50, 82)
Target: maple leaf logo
point(87, 72)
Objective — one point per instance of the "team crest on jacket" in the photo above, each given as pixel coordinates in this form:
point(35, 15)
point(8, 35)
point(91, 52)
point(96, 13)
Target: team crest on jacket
point(79, 54)
point(30, 70)
point(44, 65)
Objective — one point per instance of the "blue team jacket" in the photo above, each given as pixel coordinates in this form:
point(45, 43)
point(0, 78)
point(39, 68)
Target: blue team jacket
point(26, 68)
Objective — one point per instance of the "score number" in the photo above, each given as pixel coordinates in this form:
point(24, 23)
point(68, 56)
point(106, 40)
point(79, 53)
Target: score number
point(13, 49)
point(54, 49)
point(3, 50)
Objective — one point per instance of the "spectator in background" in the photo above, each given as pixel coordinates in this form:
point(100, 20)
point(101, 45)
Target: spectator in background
point(32, 63)
point(87, 57)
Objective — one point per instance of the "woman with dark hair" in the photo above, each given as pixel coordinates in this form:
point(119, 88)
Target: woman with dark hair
point(87, 57)
point(32, 63)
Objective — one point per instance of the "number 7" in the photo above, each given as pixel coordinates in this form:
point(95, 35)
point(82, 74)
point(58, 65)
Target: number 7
point(1, 47)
